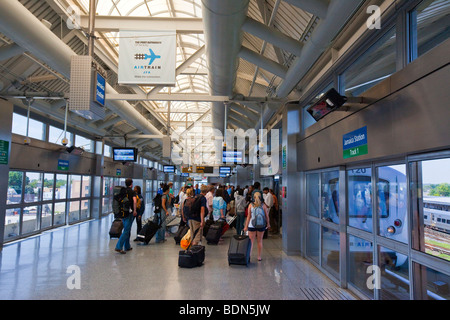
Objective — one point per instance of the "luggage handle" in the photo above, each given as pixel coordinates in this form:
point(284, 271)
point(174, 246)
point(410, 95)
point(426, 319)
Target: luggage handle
point(193, 237)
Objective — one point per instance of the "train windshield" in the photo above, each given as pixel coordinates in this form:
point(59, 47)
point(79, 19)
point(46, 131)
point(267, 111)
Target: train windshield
point(360, 191)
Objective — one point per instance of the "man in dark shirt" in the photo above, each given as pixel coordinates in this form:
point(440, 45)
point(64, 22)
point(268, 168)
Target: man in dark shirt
point(123, 244)
point(199, 222)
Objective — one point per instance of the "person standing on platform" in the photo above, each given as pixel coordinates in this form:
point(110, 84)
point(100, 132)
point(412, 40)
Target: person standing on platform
point(209, 199)
point(240, 205)
point(219, 205)
point(255, 228)
point(268, 200)
point(123, 244)
point(197, 219)
point(140, 210)
point(274, 217)
point(165, 212)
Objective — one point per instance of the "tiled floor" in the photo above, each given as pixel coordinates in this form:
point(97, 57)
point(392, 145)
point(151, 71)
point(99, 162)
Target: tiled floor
point(39, 268)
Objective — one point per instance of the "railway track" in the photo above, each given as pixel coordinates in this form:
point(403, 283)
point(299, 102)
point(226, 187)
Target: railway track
point(437, 237)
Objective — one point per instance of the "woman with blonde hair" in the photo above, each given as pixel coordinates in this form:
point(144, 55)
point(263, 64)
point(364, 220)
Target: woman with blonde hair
point(257, 222)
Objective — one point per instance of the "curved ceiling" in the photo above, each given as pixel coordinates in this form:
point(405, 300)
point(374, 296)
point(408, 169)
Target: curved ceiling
point(274, 41)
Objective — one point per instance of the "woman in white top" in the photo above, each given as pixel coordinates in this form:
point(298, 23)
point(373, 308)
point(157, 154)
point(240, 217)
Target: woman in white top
point(240, 210)
point(257, 231)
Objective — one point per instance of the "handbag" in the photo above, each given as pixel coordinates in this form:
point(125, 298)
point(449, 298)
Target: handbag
point(185, 242)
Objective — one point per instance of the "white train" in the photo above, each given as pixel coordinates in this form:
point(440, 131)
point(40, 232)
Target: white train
point(436, 213)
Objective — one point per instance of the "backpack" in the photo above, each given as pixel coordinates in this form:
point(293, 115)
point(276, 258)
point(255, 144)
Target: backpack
point(187, 207)
point(157, 202)
point(138, 203)
point(121, 204)
point(258, 218)
point(196, 207)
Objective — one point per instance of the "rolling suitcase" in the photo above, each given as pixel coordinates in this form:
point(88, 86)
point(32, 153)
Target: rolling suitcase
point(182, 230)
point(215, 232)
point(239, 250)
point(208, 224)
point(116, 228)
point(148, 231)
point(193, 256)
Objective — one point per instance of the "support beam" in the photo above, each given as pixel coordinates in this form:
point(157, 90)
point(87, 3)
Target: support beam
point(339, 12)
point(166, 97)
point(272, 36)
point(10, 50)
point(117, 23)
point(318, 8)
point(263, 62)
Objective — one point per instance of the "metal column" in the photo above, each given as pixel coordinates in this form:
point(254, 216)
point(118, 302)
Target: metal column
point(5, 139)
point(291, 182)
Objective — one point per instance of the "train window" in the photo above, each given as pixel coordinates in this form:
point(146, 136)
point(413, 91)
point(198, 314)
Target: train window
point(391, 202)
point(360, 198)
point(430, 203)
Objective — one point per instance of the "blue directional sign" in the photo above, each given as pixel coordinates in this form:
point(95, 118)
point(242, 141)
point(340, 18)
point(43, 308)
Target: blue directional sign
point(355, 143)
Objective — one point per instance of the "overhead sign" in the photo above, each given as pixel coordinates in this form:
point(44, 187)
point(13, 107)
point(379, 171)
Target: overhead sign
point(100, 85)
point(147, 57)
point(355, 143)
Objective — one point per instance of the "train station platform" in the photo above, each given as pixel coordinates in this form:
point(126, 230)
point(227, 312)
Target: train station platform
point(45, 266)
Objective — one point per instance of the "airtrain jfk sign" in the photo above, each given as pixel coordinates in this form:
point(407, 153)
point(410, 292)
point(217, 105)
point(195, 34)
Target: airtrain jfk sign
point(147, 57)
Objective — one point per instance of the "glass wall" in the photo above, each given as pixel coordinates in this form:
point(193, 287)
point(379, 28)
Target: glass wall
point(41, 200)
point(372, 67)
point(322, 220)
point(408, 257)
point(429, 26)
point(36, 129)
point(430, 204)
point(55, 135)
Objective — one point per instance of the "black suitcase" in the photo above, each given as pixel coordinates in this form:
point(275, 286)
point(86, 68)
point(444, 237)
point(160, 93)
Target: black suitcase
point(181, 232)
point(208, 224)
point(116, 228)
point(215, 232)
point(239, 250)
point(148, 231)
point(193, 256)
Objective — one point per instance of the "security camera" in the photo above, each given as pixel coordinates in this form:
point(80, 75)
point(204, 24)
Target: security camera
point(65, 141)
point(26, 141)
